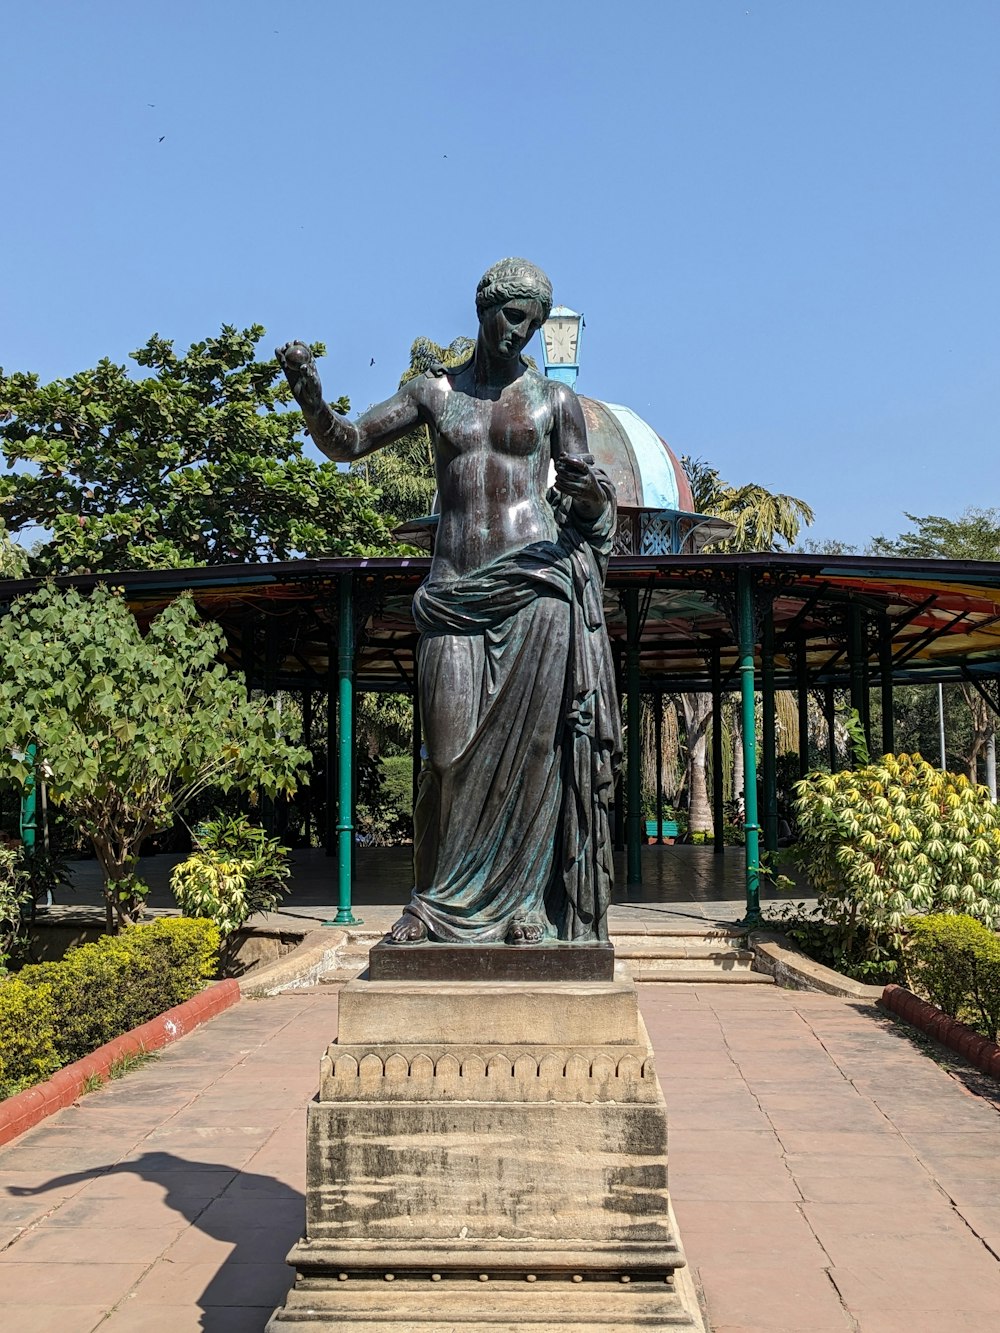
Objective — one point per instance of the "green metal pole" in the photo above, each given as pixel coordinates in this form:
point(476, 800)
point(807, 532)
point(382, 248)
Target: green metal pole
point(830, 712)
point(345, 765)
point(718, 805)
point(769, 728)
point(29, 802)
point(752, 828)
point(330, 811)
point(29, 818)
point(633, 838)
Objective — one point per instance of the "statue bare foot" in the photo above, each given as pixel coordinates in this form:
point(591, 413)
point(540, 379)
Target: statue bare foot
point(525, 932)
point(408, 929)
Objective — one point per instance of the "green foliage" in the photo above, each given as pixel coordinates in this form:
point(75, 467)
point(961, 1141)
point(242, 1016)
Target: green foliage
point(265, 858)
point(15, 896)
point(955, 960)
point(974, 535)
point(383, 815)
point(894, 838)
point(763, 519)
point(191, 464)
point(208, 885)
point(857, 741)
point(134, 1060)
point(54, 1013)
point(28, 1019)
point(873, 958)
point(131, 728)
point(237, 871)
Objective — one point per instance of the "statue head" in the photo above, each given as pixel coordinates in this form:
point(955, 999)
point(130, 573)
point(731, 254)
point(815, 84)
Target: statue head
point(514, 280)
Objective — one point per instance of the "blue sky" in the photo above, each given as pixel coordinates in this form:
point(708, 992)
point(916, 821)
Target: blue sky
point(780, 217)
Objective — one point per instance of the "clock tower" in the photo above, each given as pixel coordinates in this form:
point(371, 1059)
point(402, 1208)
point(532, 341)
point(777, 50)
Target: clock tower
point(561, 344)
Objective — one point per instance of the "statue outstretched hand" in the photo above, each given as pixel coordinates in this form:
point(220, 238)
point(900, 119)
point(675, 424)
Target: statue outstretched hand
point(575, 477)
point(296, 360)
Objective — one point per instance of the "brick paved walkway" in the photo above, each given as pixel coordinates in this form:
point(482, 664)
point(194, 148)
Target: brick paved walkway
point(826, 1175)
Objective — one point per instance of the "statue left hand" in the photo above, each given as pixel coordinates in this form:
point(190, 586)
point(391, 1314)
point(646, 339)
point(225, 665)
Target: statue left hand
point(576, 477)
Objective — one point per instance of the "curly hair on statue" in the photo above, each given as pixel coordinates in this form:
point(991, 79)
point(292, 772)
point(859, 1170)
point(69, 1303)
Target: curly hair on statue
point(511, 280)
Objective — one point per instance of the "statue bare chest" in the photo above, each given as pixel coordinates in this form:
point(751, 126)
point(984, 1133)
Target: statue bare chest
point(516, 425)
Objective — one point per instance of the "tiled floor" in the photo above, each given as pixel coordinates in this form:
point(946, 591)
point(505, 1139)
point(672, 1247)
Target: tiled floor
point(826, 1174)
point(682, 885)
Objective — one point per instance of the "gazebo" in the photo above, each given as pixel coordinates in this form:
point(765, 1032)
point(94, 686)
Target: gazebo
point(701, 623)
point(681, 620)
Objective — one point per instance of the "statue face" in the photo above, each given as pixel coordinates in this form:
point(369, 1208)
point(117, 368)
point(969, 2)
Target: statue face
point(508, 328)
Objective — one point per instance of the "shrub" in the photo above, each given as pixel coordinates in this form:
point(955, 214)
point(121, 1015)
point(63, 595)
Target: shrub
point(103, 989)
point(15, 896)
point(27, 1035)
point(205, 885)
point(874, 960)
point(237, 871)
point(956, 961)
point(898, 837)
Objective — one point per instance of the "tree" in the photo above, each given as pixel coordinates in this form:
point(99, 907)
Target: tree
point(191, 464)
point(128, 728)
point(764, 521)
point(974, 535)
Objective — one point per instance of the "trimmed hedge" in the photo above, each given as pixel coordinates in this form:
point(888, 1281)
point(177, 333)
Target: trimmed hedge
point(956, 961)
point(54, 1013)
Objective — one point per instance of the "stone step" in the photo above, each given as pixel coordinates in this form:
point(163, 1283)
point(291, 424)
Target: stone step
point(651, 931)
point(699, 976)
point(703, 966)
point(670, 948)
point(651, 954)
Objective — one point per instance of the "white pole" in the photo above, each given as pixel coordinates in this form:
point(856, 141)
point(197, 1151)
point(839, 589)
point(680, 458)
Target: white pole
point(991, 765)
point(944, 761)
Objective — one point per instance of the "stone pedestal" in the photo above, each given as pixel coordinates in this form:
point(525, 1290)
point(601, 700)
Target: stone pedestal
point(488, 1155)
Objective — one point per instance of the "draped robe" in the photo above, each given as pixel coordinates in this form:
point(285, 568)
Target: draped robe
point(512, 824)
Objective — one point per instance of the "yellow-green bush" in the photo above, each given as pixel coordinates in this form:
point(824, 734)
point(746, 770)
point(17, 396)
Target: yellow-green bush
point(956, 961)
point(898, 837)
point(97, 992)
point(27, 1030)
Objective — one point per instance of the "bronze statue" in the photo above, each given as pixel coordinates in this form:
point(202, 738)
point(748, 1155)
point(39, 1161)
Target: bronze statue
point(521, 724)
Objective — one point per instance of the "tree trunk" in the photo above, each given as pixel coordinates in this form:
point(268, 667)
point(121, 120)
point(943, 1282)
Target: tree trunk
point(737, 734)
point(117, 863)
point(982, 728)
point(697, 715)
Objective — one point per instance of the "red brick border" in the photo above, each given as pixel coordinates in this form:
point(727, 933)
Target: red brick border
point(27, 1108)
point(979, 1051)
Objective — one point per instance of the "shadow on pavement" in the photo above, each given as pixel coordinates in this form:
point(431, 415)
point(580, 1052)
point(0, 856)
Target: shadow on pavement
point(260, 1217)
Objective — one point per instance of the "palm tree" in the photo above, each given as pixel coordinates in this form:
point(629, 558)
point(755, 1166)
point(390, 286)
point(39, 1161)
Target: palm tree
point(762, 521)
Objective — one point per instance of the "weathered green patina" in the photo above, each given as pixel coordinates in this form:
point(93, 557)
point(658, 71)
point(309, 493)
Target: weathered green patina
point(515, 680)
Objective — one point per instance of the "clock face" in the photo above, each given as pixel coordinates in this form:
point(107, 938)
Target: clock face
point(561, 337)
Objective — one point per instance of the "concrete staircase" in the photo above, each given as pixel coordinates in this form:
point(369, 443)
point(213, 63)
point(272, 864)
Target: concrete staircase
point(352, 956)
point(687, 954)
point(651, 953)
